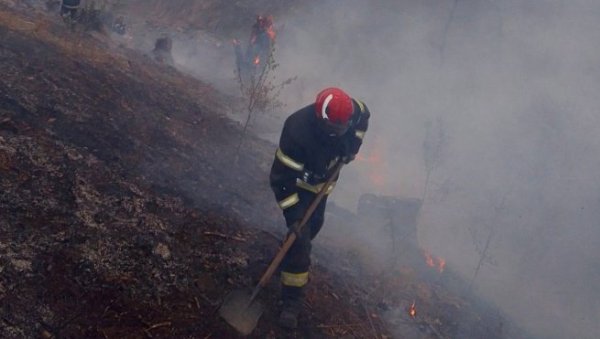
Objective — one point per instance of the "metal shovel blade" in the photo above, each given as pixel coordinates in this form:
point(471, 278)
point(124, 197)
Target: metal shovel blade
point(240, 311)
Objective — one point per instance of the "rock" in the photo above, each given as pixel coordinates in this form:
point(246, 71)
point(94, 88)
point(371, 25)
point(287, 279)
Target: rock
point(162, 250)
point(162, 50)
point(21, 265)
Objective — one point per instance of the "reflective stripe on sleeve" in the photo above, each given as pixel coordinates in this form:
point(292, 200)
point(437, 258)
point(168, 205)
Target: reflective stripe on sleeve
point(360, 134)
point(289, 201)
point(289, 162)
point(294, 279)
point(314, 188)
point(361, 105)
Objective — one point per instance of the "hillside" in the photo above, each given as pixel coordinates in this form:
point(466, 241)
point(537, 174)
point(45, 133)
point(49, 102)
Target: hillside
point(126, 215)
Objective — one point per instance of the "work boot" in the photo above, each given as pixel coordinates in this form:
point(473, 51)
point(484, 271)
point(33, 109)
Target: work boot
point(292, 296)
point(289, 314)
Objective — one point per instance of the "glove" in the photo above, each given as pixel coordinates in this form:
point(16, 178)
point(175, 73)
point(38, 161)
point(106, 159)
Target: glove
point(346, 159)
point(312, 178)
point(347, 152)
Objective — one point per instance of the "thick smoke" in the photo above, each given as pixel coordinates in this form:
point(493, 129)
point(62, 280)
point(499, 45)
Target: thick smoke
point(513, 85)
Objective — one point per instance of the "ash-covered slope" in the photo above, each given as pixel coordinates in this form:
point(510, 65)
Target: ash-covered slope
point(123, 212)
point(222, 17)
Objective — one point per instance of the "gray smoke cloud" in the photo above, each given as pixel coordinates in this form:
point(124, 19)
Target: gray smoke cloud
point(515, 84)
point(513, 87)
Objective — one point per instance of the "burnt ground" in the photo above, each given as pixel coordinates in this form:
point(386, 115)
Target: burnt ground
point(124, 212)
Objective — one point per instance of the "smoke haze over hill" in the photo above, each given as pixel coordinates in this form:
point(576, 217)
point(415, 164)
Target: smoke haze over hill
point(513, 85)
point(512, 88)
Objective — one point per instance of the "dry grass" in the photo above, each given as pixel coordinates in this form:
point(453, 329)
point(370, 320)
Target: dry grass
point(72, 44)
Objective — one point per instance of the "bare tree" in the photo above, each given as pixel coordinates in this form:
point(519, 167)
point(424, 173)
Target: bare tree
point(260, 91)
point(498, 205)
point(434, 149)
point(446, 30)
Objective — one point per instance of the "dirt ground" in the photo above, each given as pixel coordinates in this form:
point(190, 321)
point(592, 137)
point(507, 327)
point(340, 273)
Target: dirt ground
point(125, 214)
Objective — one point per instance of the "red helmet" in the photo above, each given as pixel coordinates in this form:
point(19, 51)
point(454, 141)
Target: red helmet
point(334, 107)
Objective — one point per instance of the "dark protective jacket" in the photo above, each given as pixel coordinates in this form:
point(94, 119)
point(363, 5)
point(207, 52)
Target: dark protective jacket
point(306, 153)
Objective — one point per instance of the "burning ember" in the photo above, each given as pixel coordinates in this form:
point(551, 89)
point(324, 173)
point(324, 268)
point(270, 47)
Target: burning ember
point(256, 60)
point(435, 262)
point(374, 159)
point(412, 310)
point(271, 32)
point(263, 25)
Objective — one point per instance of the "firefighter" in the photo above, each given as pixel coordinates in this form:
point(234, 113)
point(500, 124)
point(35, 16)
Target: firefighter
point(312, 141)
point(69, 9)
point(253, 62)
point(119, 26)
point(261, 40)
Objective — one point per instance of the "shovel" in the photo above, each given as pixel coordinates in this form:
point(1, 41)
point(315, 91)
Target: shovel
point(240, 309)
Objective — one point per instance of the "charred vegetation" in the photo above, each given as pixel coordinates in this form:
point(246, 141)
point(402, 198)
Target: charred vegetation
point(124, 216)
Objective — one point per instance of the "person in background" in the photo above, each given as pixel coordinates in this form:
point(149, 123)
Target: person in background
point(258, 52)
point(70, 9)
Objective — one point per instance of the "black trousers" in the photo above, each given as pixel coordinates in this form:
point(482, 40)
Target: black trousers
point(295, 265)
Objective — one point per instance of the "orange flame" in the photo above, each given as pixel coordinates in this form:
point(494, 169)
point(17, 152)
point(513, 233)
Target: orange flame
point(256, 60)
point(429, 259)
point(435, 262)
point(271, 33)
point(412, 311)
point(441, 264)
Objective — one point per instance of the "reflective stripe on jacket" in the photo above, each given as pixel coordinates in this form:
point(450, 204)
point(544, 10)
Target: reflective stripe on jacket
point(303, 146)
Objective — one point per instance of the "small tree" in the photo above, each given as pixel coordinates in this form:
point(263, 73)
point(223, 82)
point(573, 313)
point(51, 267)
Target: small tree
point(446, 30)
point(483, 243)
point(260, 90)
point(434, 149)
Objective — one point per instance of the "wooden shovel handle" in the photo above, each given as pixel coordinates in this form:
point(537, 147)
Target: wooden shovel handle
point(289, 241)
